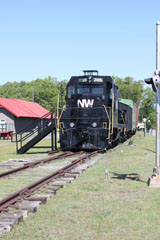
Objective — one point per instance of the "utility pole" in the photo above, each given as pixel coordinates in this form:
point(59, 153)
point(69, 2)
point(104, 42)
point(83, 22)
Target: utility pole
point(144, 120)
point(154, 181)
point(157, 73)
point(32, 94)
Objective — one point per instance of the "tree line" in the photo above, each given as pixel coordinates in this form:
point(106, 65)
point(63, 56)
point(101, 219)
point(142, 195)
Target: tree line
point(46, 91)
point(43, 91)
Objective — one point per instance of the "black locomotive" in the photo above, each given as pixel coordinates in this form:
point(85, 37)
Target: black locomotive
point(93, 118)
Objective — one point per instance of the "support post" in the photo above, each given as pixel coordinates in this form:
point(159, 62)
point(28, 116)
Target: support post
point(154, 181)
point(55, 132)
point(55, 138)
point(21, 139)
point(157, 165)
point(144, 129)
point(16, 144)
point(52, 144)
point(144, 120)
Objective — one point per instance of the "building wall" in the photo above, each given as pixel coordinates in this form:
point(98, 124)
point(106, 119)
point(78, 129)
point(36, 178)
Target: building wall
point(13, 123)
point(21, 123)
point(9, 119)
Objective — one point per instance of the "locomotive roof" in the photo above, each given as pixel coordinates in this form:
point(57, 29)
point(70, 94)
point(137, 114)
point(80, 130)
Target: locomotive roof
point(105, 78)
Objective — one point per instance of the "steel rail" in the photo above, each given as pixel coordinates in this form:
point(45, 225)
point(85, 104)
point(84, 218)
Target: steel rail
point(33, 164)
point(28, 190)
point(52, 152)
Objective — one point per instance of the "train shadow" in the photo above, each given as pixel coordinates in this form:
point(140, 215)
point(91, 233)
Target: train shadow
point(130, 176)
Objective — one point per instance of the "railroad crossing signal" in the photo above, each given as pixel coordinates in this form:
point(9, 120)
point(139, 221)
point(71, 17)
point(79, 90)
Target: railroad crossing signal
point(155, 81)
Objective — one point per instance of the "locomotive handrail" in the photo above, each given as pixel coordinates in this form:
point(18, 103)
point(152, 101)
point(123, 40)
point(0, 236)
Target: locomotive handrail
point(86, 118)
point(112, 111)
point(89, 108)
point(58, 120)
point(109, 127)
point(81, 117)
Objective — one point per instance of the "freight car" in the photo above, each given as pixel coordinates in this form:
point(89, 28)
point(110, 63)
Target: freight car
point(93, 117)
point(131, 115)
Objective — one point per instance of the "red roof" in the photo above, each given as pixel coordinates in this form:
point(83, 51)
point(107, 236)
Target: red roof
point(22, 108)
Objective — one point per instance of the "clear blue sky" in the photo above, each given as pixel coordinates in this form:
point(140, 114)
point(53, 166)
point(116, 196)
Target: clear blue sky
point(40, 38)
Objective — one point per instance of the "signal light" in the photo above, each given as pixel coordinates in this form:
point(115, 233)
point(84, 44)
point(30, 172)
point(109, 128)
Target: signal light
point(151, 81)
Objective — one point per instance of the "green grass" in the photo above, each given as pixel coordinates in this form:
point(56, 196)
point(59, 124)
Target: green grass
point(8, 150)
point(91, 208)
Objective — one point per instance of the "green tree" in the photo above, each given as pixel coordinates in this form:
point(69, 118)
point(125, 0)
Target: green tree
point(128, 88)
point(62, 92)
point(46, 91)
point(147, 108)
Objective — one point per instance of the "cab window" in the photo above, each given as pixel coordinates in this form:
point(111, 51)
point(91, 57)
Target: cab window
point(90, 89)
point(99, 90)
point(71, 90)
point(83, 89)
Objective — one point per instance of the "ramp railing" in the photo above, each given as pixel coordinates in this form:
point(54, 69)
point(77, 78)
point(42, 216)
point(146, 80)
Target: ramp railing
point(27, 134)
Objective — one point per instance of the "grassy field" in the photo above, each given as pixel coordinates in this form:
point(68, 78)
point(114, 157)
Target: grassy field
point(91, 208)
point(8, 150)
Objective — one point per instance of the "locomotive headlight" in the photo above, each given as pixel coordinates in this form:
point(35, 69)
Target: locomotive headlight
point(71, 124)
point(94, 124)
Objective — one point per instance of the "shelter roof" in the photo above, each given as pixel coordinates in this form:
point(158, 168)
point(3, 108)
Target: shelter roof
point(22, 108)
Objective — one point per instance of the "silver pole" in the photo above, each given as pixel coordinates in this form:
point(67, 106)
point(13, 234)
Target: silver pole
point(158, 97)
point(145, 129)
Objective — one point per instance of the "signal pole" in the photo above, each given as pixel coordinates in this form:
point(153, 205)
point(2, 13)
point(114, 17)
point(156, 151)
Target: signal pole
point(157, 166)
point(154, 180)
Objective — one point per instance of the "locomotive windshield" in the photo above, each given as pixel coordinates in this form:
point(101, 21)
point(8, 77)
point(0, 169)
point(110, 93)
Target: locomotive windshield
point(71, 90)
point(99, 91)
point(83, 89)
point(88, 89)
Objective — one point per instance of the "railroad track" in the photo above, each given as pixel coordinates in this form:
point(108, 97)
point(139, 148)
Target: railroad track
point(38, 162)
point(17, 205)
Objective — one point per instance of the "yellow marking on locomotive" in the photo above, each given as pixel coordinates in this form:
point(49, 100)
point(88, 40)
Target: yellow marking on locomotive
point(62, 112)
point(109, 122)
point(104, 125)
point(61, 126)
